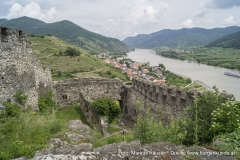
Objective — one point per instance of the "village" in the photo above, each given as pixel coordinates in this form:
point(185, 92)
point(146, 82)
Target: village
point(135, 69)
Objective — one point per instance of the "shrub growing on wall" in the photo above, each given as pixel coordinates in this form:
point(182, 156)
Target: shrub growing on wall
point(106, 107)
point(46, 104)
point(20, 97)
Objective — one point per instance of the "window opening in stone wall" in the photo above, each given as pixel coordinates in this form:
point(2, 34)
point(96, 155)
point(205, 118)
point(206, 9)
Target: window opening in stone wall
point(4, 34)
point(64, 96)
point(164, 99)
point(20, 35)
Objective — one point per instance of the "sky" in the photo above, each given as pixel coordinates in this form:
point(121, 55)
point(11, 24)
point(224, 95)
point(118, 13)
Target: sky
point(123, 18)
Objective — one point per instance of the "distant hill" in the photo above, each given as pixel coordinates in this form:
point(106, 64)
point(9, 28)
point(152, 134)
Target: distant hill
point(68, 32)
point(179, 38)
point(229, 41)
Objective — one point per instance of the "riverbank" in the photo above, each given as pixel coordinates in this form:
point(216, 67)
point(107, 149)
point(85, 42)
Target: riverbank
point(208, 75)
point(228, 58)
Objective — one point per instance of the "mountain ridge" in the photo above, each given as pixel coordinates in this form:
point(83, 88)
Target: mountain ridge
point(69, 32)
point(229, 41)
point(185, 37)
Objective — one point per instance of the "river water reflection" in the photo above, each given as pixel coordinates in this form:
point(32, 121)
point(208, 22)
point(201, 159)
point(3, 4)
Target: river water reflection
point(209, 75)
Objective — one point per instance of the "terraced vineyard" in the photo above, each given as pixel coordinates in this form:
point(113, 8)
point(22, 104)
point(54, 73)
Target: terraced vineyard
point(46, 49)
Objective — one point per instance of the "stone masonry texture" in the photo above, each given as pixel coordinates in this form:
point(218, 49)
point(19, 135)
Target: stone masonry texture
point(20, 70)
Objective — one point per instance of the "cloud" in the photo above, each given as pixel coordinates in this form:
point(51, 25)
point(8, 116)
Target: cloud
point(200, 14)
point(222, 4)
point(228, 22)
point(188, 23)
point(32, 10)
point(163, 4)
point(150, 12)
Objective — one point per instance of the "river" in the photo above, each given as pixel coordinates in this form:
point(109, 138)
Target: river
point(209, 75)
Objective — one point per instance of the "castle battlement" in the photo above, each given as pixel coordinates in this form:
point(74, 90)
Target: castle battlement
point(9, 35)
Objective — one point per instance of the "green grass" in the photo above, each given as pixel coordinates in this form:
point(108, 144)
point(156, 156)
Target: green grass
point(85, 65)
point(176, 80)
point(196, 86)
point(71, 113)
point(24, 135)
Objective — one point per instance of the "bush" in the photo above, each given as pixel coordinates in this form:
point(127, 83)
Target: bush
point(226, 118)
point(113, 75)
point(46, 104)
point(20, 97)
point(189, 80)
point(109, 72)
point(230, 142)
point(106, 107)
point(200, 116)
point(11, 110)
point(149, 128)
point(71, 52)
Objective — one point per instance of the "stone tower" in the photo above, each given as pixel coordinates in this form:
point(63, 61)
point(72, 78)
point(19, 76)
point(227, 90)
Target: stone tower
point(20, 70)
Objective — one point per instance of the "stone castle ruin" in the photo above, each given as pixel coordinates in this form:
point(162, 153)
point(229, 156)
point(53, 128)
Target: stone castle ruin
point(20, 70)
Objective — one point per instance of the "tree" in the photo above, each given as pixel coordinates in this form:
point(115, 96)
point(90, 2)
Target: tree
point(139, 68)
point(106, 107)
point(127, 64)
point(71, 52)
point(201, 117)
point(161, 66)
point(59, 73)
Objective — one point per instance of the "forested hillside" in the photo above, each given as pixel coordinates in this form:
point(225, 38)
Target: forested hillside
point(229, 41)
point(179, 38)
point(68, 32)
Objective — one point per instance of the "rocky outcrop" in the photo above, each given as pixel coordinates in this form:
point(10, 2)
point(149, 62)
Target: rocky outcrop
point(76, 126)
point(134, 151)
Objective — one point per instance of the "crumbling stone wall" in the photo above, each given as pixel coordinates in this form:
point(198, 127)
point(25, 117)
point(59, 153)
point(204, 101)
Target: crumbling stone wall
point(166, 101)
point(19, 68)
point(82, 91)
point(67, 92)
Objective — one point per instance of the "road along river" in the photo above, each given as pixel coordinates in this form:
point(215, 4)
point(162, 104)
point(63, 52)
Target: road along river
point(209, 75)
